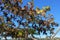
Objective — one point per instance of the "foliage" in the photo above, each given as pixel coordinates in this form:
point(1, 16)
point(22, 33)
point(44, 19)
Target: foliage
point(13, 13)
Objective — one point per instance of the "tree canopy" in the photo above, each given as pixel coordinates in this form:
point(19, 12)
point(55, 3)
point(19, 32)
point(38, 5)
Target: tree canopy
point(28, 20)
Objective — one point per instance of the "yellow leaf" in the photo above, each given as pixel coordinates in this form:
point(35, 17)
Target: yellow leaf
point(41, 11)
point(38, 10)
point(47, 8)
point(19, 33)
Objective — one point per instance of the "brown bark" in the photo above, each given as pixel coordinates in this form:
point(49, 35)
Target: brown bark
point(26, 34)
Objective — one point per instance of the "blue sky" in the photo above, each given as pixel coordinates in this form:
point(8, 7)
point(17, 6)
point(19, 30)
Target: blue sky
point(54, 5)
point(55, 9)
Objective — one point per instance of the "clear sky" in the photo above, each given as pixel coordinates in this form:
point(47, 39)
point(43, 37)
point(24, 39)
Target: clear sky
point(55, 9)
point(54, 5)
